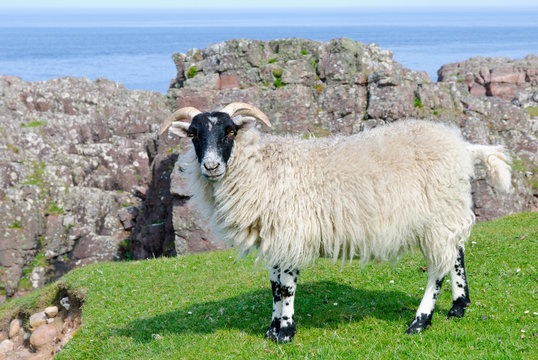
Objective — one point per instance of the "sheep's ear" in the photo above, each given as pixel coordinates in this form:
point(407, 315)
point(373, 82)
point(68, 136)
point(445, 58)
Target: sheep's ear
point(244, 122)
point(179, 128)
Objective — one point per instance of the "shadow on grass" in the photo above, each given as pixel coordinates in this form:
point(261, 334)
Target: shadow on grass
point(317, 305)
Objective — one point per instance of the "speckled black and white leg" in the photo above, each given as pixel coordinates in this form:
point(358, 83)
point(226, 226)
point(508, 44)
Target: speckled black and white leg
point(423, 318)
point(460, 288)
point(272, 331)
point(288, 285)
point(283, 284)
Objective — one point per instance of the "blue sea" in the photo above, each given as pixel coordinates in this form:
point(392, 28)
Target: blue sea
point(135, 47)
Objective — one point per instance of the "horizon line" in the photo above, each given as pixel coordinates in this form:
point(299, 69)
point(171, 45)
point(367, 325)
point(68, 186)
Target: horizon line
point(261, 8)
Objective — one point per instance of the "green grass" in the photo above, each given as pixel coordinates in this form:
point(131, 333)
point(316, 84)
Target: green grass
point(33, 124)
point(15, 225)
point(208, 306)
point(193, 70)
point(54, 209)
point(36, 178)
point(277, 73)
point(532, 110)
point(278, 83)
point(13, 148)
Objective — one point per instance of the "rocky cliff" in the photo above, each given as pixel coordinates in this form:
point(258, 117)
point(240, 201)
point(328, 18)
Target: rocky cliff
point(84, 177)
point(508, 79)
point(73, 163)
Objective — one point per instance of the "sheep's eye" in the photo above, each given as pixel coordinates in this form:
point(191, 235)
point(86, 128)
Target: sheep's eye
point(191, 133)
point(231, 133)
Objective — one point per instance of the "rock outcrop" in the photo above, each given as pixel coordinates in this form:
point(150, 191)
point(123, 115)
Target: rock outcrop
point(500, 77)
point(72, 151)
point(84, 177)
point(343, 86)
point(73, 170)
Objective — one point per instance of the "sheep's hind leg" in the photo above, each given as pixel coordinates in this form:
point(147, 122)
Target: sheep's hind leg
point(288, 285)
point(272, 331)
point(460, 289)
point(423, 318)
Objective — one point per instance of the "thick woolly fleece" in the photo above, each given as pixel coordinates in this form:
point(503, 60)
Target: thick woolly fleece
point(373, 195)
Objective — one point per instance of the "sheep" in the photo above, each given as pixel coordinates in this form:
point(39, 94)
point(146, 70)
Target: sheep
point(373, 196)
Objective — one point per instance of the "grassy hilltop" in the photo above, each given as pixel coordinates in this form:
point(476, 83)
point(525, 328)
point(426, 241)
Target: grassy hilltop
point(208, 306)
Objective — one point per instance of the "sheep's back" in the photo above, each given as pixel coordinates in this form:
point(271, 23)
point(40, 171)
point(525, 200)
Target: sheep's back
point(373, 195)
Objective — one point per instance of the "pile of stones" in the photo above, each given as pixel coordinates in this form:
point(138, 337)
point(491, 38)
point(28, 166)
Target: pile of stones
point(42, 335)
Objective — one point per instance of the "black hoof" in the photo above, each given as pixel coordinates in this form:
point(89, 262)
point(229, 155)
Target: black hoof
point(458, 308)
point(286, 334)
point(271, 334)
point(272, 331)
point(419, 324)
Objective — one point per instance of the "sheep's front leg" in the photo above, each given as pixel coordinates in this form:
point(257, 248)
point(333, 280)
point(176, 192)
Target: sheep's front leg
point(283, 285)
point(288, 285)
point(423, 318)
point(272, 331)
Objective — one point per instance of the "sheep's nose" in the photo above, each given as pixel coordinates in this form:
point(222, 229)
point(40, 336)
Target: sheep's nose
point(210, 166)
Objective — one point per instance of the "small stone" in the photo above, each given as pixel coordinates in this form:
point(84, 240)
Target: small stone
point(27, 335)
point(58, 323)
point(14, 327)
point(526, 311)
point(43, 336)
point(128, 216)
point(37, 320)
point(391, 282)
point(65, 303)
point(6, 346)
point(51, 311)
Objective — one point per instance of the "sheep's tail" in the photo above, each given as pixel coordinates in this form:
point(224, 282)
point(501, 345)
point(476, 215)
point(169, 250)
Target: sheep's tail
point(497, 163)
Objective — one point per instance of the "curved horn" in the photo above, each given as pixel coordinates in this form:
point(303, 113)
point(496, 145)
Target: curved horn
point(236, 108)
point(186, 113)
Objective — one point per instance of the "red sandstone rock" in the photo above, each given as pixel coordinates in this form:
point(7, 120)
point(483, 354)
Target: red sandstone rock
point(43, 336)
point(505, 91)
point(51, 311)
point(504, 75)
point(478, 90)
point(14, 327)
point(42, 106)
point(228, 82)
point(5, 347)
point(37, 319)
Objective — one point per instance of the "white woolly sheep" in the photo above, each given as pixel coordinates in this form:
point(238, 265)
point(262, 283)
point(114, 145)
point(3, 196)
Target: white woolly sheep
point(372, 196)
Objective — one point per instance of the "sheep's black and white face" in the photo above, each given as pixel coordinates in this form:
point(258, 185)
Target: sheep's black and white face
point(213, 135)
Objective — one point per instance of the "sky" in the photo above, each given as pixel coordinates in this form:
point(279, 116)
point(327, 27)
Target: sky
point(241, 4)
point(158, 13)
